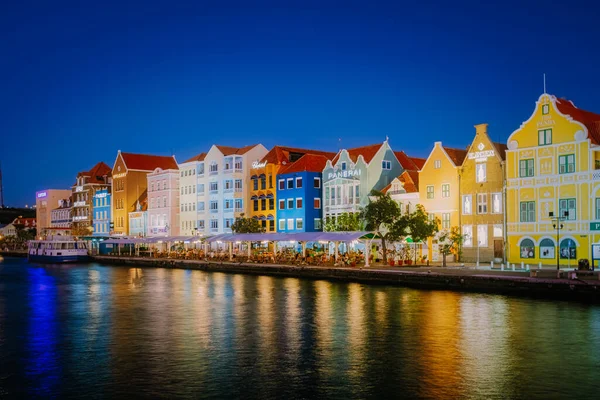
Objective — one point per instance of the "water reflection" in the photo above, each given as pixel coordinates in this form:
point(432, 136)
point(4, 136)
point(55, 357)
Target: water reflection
point(43, 367)
point(128, 332)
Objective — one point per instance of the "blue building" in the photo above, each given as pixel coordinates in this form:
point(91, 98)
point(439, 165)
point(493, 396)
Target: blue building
point(101, 212)
point(299, 194)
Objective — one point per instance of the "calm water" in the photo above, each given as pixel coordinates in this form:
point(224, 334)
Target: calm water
point(108, 332)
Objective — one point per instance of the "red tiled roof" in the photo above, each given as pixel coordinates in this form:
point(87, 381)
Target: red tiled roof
point(146, 162)
point(456, 155)
point(308, 162)
point(281, 154)
point(409, 163)
point(501, 148)
point(97, 173)
point(26, 222)
point(587, 118)
point(410, 182)
point(199, 157)
point(229, 151)
point(368, 152)
point(419, 162)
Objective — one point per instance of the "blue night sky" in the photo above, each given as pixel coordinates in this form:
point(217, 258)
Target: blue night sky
point(83, 81)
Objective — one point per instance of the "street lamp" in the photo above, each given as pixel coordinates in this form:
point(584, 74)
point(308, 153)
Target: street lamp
point(558, 225)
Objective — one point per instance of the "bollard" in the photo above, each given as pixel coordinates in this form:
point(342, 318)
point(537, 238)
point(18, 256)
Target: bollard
point(492, 265)
point(513, 267)
point(522, 265)
point(502, 266)
point(527, 268)
point(540, 265)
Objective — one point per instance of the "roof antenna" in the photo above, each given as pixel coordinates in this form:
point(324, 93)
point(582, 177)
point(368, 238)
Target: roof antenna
point(544, 83)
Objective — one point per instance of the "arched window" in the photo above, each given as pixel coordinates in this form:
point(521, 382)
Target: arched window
point(527, 248)
point(568, 249)
point(547, 249)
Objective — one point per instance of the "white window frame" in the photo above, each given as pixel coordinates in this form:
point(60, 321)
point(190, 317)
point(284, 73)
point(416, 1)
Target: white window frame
point(318, 207)
point(282, 224)
point(299, 179)
point(300, 222)
point(317, 183)
point(467, 232)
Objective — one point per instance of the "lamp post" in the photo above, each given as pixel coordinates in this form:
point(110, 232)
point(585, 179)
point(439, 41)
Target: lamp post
point(558, 225)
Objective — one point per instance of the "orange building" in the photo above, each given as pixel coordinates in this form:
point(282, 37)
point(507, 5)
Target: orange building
point(130, 183)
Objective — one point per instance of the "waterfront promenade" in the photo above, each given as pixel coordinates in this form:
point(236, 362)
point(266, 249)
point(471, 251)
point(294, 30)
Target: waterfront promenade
point(544, 282)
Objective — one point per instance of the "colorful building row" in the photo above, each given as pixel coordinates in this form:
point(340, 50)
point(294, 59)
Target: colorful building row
point(506, 199)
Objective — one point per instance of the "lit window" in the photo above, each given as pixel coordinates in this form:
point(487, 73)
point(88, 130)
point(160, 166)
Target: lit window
point(467, 204)
point(445, 220)
point(496, 203)
point(544, 137)
point(446, 190)
point(299, 223)
point(282, 204)
point(527, 248)
point(430, 191)
point(437, 164)
point(290, 224)
point(282, 224)
point(482, 203)
point(527, 209)
point(318, 224)
point(482, 235)
point(526, 168)
point(480, 172)
point(566, 164)
point(467, 232)
point(317, 203)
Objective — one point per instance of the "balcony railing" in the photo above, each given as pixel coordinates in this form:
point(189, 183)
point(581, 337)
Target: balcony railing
point(214, 229)
point(79, 204)
point(213, 172)
point(239, 209)
point(214, 210)
point(596, 175)
point(228, 190)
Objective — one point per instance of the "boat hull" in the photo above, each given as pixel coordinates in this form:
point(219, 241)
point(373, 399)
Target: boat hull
point(57, 259)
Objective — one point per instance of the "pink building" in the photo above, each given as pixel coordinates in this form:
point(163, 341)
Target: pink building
point(163, 202)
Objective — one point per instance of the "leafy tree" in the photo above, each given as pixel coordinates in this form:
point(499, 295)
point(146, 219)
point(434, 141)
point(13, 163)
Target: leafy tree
point(345, 222)
point(449, 241)
point(381, 214)
point(420, 227)
point(246, 225)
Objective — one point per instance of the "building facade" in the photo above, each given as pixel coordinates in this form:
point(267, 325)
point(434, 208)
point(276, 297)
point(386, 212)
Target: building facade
point(263, 183)
point(62, 220)
point(350, 177)
point(130, 184)
point(482, 199)
point(552, 165)
point(45, 202)
point(300, 195)
point(163, 202)
point(138, 219)
point(102, 212)
point(97, 178)
point(404, 190)
point(439, 189)
point(213, 188)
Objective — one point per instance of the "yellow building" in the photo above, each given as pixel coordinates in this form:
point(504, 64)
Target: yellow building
point(439, 188)
point(550, 167)
point(263, 192)
point(481, 196)
point(130, 182)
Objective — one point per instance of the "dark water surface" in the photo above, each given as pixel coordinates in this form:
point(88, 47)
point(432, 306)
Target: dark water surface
point(115, 332)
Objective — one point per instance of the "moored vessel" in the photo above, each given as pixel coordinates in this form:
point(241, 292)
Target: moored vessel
point(57, 249)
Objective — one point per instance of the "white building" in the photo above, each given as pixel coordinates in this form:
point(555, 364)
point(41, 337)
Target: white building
point(405, 191)
point(212, 188)
point(163, 202)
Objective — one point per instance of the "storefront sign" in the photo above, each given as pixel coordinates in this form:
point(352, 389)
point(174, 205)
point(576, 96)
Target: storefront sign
point(42, 195)
point(135, 215)
point(121, 175)
point(101, 195)
point(349, 173)
point(594, 226)
point(257, 165)
point(481, 155)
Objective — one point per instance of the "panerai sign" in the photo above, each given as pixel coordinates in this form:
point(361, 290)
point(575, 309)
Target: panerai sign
point(481, 155)
point(256, 164)
point(349, 173)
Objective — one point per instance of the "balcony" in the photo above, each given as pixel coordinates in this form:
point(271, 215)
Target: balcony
point(213, 191)
point(214, 210)
point(239, 209)
point(214, 229)
point(228, 190)
point(80, 218)
point(227, 170)
point(79, 204)
point(215, 172)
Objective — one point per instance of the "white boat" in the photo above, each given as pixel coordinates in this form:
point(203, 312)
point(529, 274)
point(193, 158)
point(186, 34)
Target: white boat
point(57, 249)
